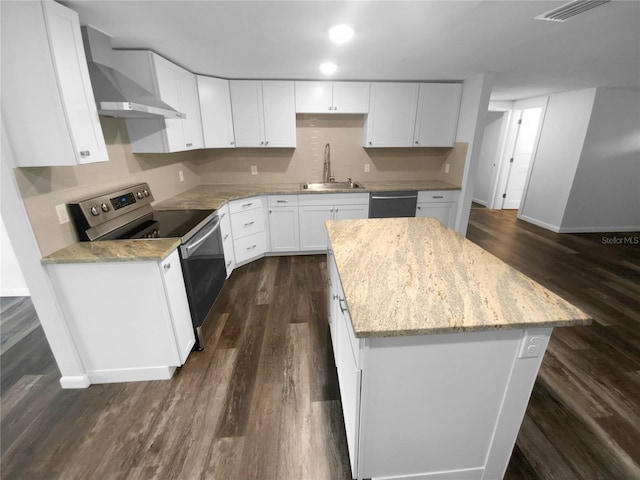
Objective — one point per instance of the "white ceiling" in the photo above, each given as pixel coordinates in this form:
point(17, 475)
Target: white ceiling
point(394, 40)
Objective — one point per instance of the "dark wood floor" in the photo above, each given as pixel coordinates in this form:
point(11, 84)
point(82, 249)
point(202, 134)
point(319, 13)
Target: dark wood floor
point(261, 402)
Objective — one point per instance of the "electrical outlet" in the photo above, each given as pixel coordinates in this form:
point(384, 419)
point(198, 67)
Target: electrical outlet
point(181, 175)
point(63, 215)
point(254, 169)
point(531, 344)
point(366, 168)
point(446, 168)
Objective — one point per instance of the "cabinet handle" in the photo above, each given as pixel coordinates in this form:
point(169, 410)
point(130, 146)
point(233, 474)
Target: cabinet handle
point(232, 143)
point(370, 143)
point(247, 205)
point(335, 296)
point(249, 224)
point(438, 196)
point(189, 144)
point(223, 215)
point(417, 143)
point(266, 143)
point(251, 247)
point(229, 263)
point(167, 267)
point(343, 305)
point(419, 207)
point(261, 143)
point(225, 237)
point(282, 201)
point(85, 153)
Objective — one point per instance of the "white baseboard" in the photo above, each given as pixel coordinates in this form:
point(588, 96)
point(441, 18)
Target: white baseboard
point(548, 226)
point(466, 474)
point(14, 292)
point(481, 202)
point(131, 374)
point(626, 229)
point(76, 381)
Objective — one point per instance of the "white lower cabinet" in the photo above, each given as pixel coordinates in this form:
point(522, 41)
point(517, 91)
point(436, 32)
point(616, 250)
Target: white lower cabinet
point(283, 223)
point(129, 320)
point(443, 406)
point(227, 239)
point(315, 209)
point(438, 204)
point(247, 229)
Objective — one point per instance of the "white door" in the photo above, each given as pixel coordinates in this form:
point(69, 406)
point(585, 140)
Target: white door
point(522, 154)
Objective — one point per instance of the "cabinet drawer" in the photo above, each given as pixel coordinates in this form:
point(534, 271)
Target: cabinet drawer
point(245, 204)
point(438, 196)
point(282, 200)
point(247, 223)
point(250, 247)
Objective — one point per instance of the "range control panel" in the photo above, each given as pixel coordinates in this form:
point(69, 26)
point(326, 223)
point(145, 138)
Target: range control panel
point(99, 209)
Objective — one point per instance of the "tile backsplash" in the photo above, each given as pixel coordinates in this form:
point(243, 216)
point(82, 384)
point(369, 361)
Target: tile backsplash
point(43, 188)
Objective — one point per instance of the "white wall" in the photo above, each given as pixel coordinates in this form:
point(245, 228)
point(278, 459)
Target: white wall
point(605, 195)
point(12, 282)
point(559, 150)
point(489, 153)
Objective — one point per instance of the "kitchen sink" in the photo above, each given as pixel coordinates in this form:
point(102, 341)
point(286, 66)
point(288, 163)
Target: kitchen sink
point(324, 186)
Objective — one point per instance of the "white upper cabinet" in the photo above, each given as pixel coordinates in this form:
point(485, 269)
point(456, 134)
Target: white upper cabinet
point(392, 115)
point(332, 97)
point(176, 87)
point(437, 117)
point(263, 113)
point(215, 110)
point(413, 115)
point(47, 101)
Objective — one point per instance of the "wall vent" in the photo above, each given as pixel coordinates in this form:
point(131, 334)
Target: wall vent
point(570, 10)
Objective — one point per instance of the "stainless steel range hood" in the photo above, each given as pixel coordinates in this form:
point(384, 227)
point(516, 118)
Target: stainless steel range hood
point(116, 94)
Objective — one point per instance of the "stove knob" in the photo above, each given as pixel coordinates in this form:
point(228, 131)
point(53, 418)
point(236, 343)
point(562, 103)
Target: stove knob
point(94, 211)
point(139, 194)
point(104, 207)
point(145, 192)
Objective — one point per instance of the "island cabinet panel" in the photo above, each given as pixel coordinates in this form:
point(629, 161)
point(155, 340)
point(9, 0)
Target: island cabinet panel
point(47, 99)
point(443, 406)
point(144, 335)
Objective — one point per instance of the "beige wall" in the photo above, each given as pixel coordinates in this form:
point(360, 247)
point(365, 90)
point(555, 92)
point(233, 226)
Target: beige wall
point(45, 187)
point(304, 163)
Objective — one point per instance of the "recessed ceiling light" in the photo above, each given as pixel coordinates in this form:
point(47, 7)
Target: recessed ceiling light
point(328, 68)
point(341, 33)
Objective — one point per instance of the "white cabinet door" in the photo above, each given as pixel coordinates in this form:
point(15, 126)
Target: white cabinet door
point(332, 97)
point(392, 114)
point(313, 234)
point(350, 212)
point(227, 239)
point(190, 104)
point(437, 116)
point(247, 109)
point(47, 99)
point(279, 114)
point(215, 109)
point(314, 97)
point(444, 212)
point(168, 80)
point(351, 97)
point(178, 305)
point(283, 223)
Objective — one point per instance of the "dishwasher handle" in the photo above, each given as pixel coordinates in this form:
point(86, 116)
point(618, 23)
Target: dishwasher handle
point(395, 197)
point(212, 227)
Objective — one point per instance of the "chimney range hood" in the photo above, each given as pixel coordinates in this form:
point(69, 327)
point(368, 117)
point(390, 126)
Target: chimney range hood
point(116, 94)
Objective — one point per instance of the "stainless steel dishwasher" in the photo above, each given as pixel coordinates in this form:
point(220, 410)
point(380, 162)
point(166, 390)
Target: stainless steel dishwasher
point(392, 204)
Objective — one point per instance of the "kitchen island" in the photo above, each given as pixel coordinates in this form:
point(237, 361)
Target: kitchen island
point(437, 346)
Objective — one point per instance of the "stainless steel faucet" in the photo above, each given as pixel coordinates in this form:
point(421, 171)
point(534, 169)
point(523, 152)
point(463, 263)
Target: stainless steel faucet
point(326, 173)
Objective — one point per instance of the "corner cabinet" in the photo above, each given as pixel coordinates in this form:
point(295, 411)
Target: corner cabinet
point(215, 110)
point(48, 105)
point(332, 97)
point(144, 335)
point(176, 87)
point(264, 113)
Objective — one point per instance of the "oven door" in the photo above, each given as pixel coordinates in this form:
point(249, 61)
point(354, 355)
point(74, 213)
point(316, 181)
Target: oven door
point(204, 273)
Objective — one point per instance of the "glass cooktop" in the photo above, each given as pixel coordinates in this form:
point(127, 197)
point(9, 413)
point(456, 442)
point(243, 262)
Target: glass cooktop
point(161, 224)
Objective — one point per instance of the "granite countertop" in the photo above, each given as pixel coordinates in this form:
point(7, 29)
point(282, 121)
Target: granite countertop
point(206, 197)
point(413, 276)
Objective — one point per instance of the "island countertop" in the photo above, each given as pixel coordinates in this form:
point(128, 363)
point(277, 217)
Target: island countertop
point(413, 276)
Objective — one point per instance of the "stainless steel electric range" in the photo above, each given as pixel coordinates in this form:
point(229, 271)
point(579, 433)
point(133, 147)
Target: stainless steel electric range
point(127, 214)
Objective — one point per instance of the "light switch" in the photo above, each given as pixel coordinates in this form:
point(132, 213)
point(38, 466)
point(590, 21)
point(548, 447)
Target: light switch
point(366, 168)
point(63, 215)
point(254, 169)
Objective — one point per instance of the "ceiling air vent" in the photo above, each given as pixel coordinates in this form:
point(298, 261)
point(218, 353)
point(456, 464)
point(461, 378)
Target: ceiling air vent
point(571, 9)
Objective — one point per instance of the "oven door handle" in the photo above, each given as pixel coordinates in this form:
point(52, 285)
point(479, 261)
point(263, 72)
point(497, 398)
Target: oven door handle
point(189, 247)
